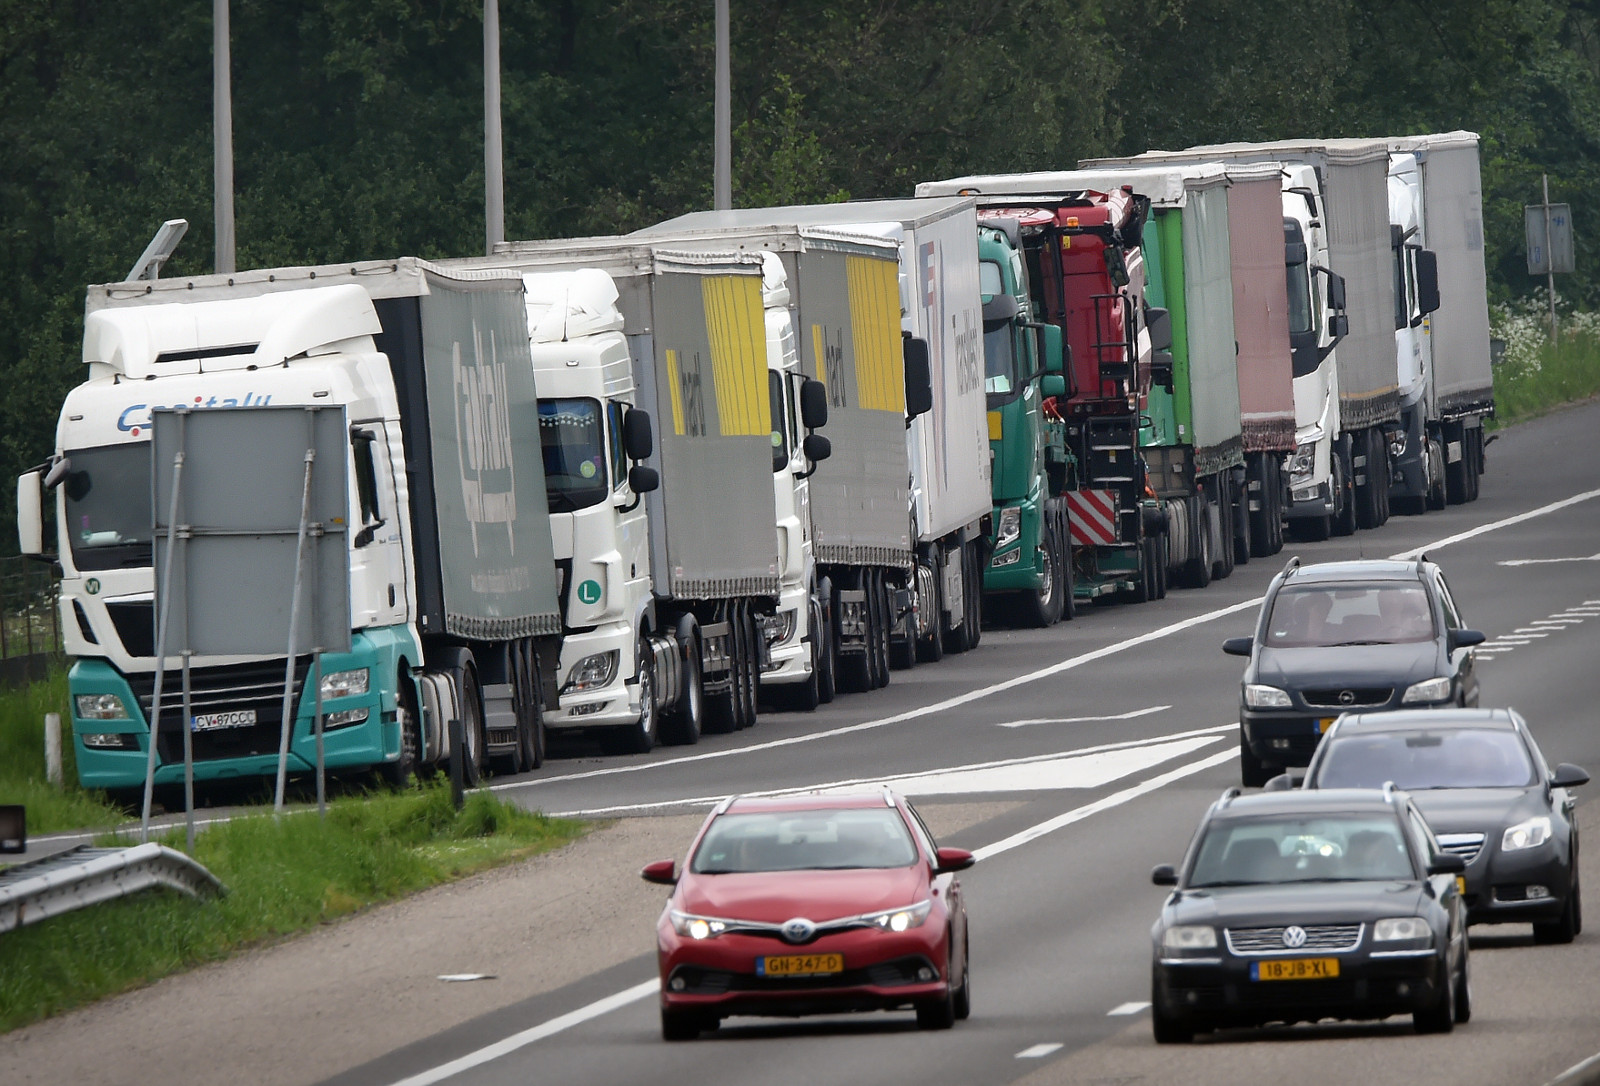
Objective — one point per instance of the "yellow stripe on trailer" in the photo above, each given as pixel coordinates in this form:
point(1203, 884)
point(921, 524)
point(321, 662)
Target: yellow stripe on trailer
point(875, 333)
point(734, 322)
point(819, 357)
point(674, 385)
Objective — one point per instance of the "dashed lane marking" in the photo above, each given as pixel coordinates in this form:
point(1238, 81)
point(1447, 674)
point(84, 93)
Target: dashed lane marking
point(1038, 1051)
point(1547, 561)
point(1127, 1008)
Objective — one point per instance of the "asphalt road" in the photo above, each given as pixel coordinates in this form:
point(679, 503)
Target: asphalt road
point(1100, 742)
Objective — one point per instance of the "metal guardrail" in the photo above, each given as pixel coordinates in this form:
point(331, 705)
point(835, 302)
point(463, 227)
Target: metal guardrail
point(86, 875)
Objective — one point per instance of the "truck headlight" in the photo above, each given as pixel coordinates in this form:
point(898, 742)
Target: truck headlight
point(1009, 528)
point(345, 684)
point(1304, 460)
point(592, 672)
point(1257, 696)
point(780, 627)
point(1429, 690)
point(101, 707)
point(1530, 834)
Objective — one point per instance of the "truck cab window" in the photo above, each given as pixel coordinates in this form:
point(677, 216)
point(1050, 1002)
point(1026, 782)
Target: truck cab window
point(361, 442)
point(573, 438)
point(780, 440)
point(999, 344)
point(107, 493)
point(619, 455)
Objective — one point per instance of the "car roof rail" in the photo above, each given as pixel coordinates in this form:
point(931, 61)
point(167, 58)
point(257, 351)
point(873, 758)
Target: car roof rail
point(1228, 796)
point(1389, 791)
point(722, 808)
point(888, 797)
point(1422, 561)
point(1292, 564)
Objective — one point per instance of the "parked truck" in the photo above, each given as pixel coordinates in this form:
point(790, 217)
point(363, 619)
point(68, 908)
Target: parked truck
point(453, 596)
point(936, 606)
point(1349, 463)
point(1086, 274)
point(1447, 384)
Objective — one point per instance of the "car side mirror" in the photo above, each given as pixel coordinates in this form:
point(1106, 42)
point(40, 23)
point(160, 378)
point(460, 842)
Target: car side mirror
point(643, 480)
point(1462, 639)
point(1568, 775)
point(1164, 875)
point(1284, 782)
point(664, 872)
point(953, 859)
point(1447, 863)
point(1239, 646)
point(637, 439)
point(813, 404)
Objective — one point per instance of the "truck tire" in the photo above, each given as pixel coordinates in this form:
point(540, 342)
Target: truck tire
point(472, 737)
point(1041, 608)
point(1266, 520)
point(681, 724)
point(973, 595)
point(1069, 575)
point(752, 665)
point(1369, 497)
point(530, 717)
point(1344, 492)
point(722, 709)
point(639, 737)
point(878, 606)
point(855, 671)
point(402, 772)
point(1437, 496)
point(1473, 440)
point(1222, 545)
point(806, 696)
point(1162, 548)
point(1197, 571)
point(902, 635)
point(1240, 535)
point(930, 649)
point(828, 657)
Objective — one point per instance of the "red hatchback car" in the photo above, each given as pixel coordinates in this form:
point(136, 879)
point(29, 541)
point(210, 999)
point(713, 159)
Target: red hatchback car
point(812, 905)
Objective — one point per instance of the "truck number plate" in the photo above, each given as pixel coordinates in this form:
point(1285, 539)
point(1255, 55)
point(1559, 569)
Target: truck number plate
point(211, 722)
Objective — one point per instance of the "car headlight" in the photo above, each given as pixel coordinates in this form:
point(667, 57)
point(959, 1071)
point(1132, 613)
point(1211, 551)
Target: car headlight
point(1304, 460)
point(696, 927)
point(344, 684)
point(1530, 834)
point(592, 672)
point(1189, 937)
point(901, 919)
point(1429, 690)
point(101, 707)
point(1396, 928)
point(1257, 696)
point(1010, 527)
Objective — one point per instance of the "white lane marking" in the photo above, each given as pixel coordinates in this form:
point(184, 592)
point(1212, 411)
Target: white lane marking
point(1081, 719)
point(856, 783)
point(910, 714)
point(1127, 1008)
point(1473, 533)
point(1530, 631)
point(1558, 621)
point(649, 987)
point(1505, 641)
point(1547, 561)
point(1116, 799)
point(537, 1033)
point(1037, 1051)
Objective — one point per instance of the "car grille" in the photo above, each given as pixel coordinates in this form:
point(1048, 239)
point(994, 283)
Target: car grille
point(1318, 937)
point(257, 686)
point(1360, 696)
point(888, 974)
point(1465, 845)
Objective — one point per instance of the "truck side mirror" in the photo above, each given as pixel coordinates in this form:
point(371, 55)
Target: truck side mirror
point(1000, 308)
point(1294, 252)
point(30, 513)
point(1053, 384)
point(642, 480)
point(1158, 322)
point(919, 377)
point(813, 404)
point(1162, 371)
point(1335, 290)
point(1051, 357)
point(1338, 327)
point(637, 439)
point(817, 447)
point(1427, 280)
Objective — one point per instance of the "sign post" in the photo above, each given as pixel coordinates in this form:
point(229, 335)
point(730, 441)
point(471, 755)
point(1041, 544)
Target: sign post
point(1549, 233)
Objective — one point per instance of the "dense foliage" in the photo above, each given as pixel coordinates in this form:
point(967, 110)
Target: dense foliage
point(358, 123)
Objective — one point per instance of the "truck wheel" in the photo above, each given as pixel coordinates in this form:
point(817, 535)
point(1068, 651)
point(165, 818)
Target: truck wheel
point(854, 673)
point(1163, 556)
point(1069, 575)
point(1437, 497)
point(1222, 517)
point(1240, 531)
point(806, 696)
point(973, 593)
point(1262, 521)
point(471, 729)
point(902, 639)
point(1042, 607)
point(828, 656)
point(878, 629)
point(530, 715)
point(930, 649)
point(752, 666)
point(681, 725)
point(1197, 572)
point(1369, 509)
point(640, 737)
point(1344, 491)
point(722, 709)
point(1473, 440)
point(402, 772)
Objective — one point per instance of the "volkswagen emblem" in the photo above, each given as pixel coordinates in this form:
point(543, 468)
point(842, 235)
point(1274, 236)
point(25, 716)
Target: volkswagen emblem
point(800, 929)
point(1347, 697)
point(1294, 936)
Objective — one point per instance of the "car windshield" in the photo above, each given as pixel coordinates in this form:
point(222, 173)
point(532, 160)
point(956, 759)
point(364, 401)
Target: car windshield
point(805, 841)
point(1446, 758)
point(574, 441)
point(1329, 848)
point(109, 519)
point(1325, 615)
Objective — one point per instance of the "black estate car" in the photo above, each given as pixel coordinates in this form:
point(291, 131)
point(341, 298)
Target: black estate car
point(1483, 785)
point(1302, 905)
point(1337, 636)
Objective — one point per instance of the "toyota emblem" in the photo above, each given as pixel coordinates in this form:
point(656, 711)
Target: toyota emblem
point(800, 929)
point(1347, 697)
point(1294, 936)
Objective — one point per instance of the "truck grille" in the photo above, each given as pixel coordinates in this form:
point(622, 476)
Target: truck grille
point(135, 623)
point(1318, 937)
point(229, 688)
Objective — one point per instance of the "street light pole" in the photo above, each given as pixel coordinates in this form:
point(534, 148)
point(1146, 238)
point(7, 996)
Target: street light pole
point(722, 180)
point(222, 135)
point(494, 182)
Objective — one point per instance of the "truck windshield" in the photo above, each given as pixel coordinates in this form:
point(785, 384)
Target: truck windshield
point(573, 436)
point(999, 352)
point(1300, 312)
point(108, 519)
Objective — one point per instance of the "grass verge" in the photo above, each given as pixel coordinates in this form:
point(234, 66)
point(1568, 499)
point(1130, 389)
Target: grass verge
point(50, 809)
point(1542, 376)
point(283, 875)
